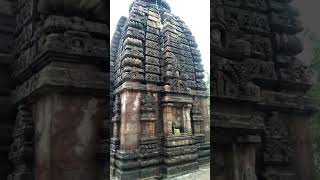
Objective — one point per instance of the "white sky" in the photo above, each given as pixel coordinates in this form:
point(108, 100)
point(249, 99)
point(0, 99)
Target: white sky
point(309, 13)
point(196, 16)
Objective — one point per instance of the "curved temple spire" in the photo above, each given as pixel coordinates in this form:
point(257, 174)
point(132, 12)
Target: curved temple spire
point(160, 3)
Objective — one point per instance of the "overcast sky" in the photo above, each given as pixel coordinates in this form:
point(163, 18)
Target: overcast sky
point(196, 16)
point(309, 15)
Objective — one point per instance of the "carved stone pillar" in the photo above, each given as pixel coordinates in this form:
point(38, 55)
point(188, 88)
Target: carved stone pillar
point(167, 119)
point(59, 71)
point(148, 115)
point(206, 120)
point(245, 152)
point(116, 117)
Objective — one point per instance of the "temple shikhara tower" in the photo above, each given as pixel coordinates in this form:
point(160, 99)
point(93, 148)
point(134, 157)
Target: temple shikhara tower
point(160, 115)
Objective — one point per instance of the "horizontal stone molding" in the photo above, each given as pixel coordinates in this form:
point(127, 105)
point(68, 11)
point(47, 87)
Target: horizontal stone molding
point(251, 122)
point(288, 102)
point(27, 69)
point(52, 77)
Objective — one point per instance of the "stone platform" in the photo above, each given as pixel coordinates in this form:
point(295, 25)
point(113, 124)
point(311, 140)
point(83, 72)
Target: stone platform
point(202, 174)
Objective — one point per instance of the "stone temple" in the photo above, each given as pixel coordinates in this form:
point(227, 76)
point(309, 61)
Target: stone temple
point(160, 115)
point(55, 115)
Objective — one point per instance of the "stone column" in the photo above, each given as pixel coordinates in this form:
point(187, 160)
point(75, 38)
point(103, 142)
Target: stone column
point(130, 130)
point(66, 136)
point(60, 70)
point(245, 157)
point(206, 121)
point(167, 119)
point(302, 140)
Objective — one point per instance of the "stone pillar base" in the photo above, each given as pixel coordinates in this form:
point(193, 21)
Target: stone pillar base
point(126, 164)
point(179, 155)
point(127, 175)
point(137, 173)
point(203, 149)
point(140, 163)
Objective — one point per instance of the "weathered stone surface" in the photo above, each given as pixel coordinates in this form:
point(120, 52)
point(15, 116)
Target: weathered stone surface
point(259, 91)
point(59, 71)
point(95, 10)
point(7, 108)
point(65, 133)
point(130, 120)
point(58, 75)
point(159, 129)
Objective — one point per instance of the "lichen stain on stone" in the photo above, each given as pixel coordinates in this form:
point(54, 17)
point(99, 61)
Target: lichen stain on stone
point(85, 131)
point(136, 102)
point(43, 130)
point(131, 127)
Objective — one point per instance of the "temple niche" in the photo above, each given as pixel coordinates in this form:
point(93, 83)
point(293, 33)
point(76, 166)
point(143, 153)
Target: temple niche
point(261, 110)
point(160, 114)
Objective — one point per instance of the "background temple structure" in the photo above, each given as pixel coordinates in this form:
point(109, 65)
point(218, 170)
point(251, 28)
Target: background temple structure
point(260, 114)
point(160, 115)
point(53, 89)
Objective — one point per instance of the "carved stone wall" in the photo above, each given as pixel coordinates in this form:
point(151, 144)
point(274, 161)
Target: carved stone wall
point(60, 76)
point(259, 92)
point(7, 25)
point(22, 148)
point(159, 113)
